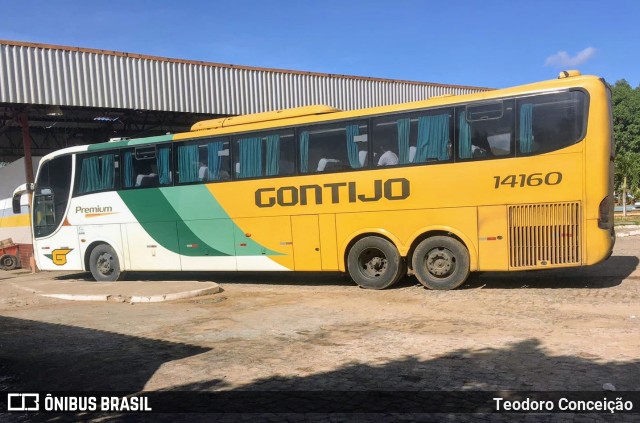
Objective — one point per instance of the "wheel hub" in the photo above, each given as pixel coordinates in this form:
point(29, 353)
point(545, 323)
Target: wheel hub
point(104, 264)
point(373, 262)
point(440, 262)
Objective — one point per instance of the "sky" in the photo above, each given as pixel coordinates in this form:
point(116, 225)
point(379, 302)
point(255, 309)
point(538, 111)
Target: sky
point(483, 43)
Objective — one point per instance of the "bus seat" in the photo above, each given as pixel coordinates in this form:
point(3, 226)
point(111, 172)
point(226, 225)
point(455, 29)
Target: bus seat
point(150, 180)
point(323, 163)
point(412, 153)
point(362, 155)
point(203, 173)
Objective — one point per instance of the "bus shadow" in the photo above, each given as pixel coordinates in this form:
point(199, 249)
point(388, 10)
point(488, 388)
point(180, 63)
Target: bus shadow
point(608, 274)
point(264, 278)
point(604, 275)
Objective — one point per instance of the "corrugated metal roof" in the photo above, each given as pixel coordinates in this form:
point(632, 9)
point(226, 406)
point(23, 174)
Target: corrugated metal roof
point(71, 76)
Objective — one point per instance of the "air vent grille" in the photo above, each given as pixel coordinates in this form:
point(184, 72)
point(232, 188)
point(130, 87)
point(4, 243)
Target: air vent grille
point(544, 235)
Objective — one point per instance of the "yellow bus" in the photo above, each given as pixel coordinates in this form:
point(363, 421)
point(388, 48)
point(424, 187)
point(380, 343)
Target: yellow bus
point(503, 180)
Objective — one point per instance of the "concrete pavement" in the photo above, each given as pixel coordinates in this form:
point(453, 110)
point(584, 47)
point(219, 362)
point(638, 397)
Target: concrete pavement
point(76, 287)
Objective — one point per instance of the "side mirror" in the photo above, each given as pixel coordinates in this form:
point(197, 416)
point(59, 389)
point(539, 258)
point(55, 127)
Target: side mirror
point(17, 196)
point(16, 204)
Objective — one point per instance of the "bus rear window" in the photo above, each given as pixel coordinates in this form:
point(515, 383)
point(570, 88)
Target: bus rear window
point(548, 122)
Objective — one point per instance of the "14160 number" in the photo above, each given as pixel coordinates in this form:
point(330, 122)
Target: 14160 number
point(532, 180)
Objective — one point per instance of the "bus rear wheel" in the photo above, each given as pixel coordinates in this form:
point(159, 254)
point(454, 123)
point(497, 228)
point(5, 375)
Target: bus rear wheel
point(441, 263)
point(374, 263)
point(104, 264)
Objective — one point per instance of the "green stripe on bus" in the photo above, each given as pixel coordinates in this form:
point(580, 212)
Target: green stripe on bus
point(203, 215)
point(149, 206)
point(129, 143)
point(196, 224)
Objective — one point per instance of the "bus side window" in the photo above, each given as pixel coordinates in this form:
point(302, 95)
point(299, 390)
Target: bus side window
point(418, 137)
point(202, 160)
point(264, 154)
point(334, 147)
point(548, 122)
point(147, 166)
point(485, 130)
point(394, 139)
point(96, 172)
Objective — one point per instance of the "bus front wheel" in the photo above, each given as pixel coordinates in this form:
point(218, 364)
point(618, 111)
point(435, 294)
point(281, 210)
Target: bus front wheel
point(374, 263)
point(441, 263)
point(104, 264)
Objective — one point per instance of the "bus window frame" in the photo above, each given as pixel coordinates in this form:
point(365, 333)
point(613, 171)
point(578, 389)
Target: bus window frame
point(340, 122)
point(413, 114)
point(121, 150)
point(234, 137)
point(76, 178)
point(585, 111)
point(197, 140)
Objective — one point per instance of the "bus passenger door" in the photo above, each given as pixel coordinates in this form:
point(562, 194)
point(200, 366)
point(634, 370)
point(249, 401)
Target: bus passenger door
point(306, 242)
point(60, 251)
point(153, 246)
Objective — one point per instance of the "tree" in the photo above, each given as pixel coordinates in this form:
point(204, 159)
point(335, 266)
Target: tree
point(628, 173)
point(626, 129)
point(626, 117)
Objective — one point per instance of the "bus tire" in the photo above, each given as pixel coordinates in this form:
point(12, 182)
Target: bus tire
point(374, 263)
point(104, 264)
point(8, 262)
point(441, 263)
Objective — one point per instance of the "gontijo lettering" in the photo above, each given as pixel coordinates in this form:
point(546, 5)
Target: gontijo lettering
point(391, 189)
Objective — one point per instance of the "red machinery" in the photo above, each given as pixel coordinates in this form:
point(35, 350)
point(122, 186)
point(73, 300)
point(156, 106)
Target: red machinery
point(9, 255)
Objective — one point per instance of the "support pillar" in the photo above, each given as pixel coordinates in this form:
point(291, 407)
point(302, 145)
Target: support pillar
point(28, 173)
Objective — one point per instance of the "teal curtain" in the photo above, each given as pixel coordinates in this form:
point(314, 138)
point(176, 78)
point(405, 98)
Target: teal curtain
point(526, 128)
point(304, 151)
point(464, 137)
point(433, 137)
point(250, 157)
point(97, 173)
point(127, 168)
point(404, 126)
point(273, 155)
point(188, 163)
point(214, 160)
point(164, 172)
point(90, 174)
point(352, 147)
point(108, 171)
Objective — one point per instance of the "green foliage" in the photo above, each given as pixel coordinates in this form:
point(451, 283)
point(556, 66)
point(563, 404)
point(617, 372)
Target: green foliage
point(628, 165)
point(626, 117)
point(626, 129)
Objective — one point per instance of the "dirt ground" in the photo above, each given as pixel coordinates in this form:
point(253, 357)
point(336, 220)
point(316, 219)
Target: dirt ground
point(569, 329)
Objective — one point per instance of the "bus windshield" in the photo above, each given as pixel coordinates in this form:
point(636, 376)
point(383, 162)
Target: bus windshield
point(51, 195)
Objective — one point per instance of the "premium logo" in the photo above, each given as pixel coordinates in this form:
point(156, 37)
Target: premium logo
point(337, 192)
point(95, 211)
